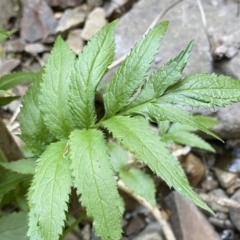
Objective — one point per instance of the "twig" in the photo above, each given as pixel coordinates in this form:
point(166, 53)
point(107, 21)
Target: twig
point(154, 22)
point(154, 210)
point(220, 201)
point(204, 22)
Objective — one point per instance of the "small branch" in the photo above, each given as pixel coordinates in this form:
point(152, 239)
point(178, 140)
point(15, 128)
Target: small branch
point(220, 201)
point(154, 22)
point(154, 210)
point(204, 22)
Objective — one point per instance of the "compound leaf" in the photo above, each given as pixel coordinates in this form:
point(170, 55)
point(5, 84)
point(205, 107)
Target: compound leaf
point(133, 70)
point(13, 226)
point(147, 147)
point(11, 80)
point(94, 180)
point(34, 131)
point(55, 90)
point(166, 76)
point(187, 138)
point(89, 69)
point(203, 90)
point(23, 166)
point(49, 192)
point(139, 183)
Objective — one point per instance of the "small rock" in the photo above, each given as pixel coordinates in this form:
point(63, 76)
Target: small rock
point(224, 224)
point(7, 11)
point(187, 221)
point(209, 184)
point(151, 232)
point(95, 21)
point(37, 21)
point(35, 48)
point(226, 179)
point(8, 65)
point(94, 3)
point(70, 236)
point(218, 193)
point(70, 19)
point(86, 232)
point(75, 40)
point(111, 6)
point(235, 213)
point(64, 3)
point(15, 45)
point(194, 168)
point(233, 187)
point(135, 225)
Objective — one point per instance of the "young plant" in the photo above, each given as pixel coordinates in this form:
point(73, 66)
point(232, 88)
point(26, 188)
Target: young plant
point(59, 123)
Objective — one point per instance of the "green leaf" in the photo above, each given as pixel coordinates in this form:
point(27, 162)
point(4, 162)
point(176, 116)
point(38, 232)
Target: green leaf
point(118, 156)
point(13, 226)
point(23, 166)
point(5, 34)
point(163, 127)
point(203, 90)
point(166, 76)
point(34, 131)
point(90, 67)
point(55, 90)
point(208, 122)
point(94, 180)
point(161, 112)
point(11, 80)
point(187, 138)
point(6, 100)
point(49, 192)
point(132, 72)
point(9, 182)
point(139, 183)
point(147, 147)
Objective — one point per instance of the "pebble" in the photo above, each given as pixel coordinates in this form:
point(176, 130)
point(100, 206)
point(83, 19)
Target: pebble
point(226, 179)
point(235, 213)
point(14, 45)
point(218, 193)
point(75, 41)
point(70, 19)
point(95, 21)
point(209, 184)
point(35, 48)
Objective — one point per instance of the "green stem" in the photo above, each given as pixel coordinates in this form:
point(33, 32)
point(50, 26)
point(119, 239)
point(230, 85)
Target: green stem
point(73, 225)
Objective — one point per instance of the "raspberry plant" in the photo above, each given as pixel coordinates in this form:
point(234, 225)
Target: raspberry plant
point(59, 123)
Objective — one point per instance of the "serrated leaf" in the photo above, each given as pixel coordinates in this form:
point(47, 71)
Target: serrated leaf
point(147, 147)
point(11, 80)
point(94, 180)
point(6, 100)
point(163, 127)
point(13, 226)
point(187, 138)
point(33, 129)
point(89, 69)
point(55, 90)
point(208, 122)
point(23, 166)
point(203, 90)
point(9, 181)
point(133, 70)
point(161, 112)
point(166, 76)
point(50, 191)
point(118, 156)
point(139, 183)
